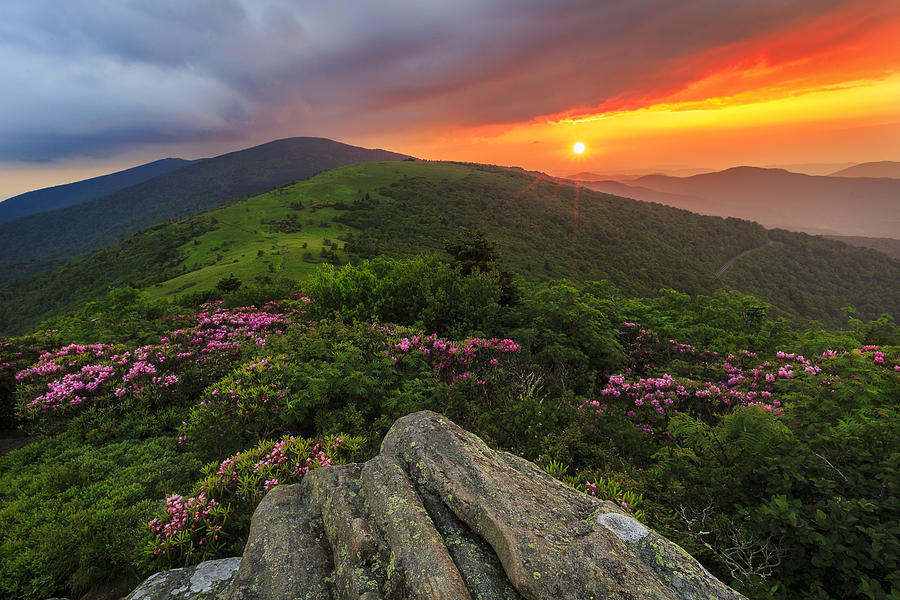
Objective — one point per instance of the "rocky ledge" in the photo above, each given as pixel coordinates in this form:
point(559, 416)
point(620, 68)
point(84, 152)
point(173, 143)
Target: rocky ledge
point(439, 515)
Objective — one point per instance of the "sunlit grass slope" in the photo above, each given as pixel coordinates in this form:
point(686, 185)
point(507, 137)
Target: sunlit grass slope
point(281, 234)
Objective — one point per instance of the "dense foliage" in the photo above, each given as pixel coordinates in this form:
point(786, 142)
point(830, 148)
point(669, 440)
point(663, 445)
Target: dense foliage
point(546, 230)
point(814, 278)
point(139, 261)
point(771, 453)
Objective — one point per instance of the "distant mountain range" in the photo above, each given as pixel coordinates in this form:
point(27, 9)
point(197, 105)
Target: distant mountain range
point(37, 242)
point(630, 174)
point(884, 168)
point(60, 196)
point(805, 168)
point(889, 246)
point(776, 198)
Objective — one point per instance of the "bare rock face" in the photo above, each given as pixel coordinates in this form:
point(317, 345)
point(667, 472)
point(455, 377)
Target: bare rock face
point(439, 515)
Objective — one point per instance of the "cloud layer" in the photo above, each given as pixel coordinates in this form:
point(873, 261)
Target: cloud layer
point(97, 77)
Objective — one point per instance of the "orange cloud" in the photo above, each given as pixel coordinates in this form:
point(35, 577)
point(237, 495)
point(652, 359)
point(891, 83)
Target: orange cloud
point(834, 51)
point(823, 90)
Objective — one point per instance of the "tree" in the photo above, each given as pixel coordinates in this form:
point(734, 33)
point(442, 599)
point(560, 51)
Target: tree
point(472, 251)
point(229, 284)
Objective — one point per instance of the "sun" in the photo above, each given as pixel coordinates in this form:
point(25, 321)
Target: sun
point(578, 148)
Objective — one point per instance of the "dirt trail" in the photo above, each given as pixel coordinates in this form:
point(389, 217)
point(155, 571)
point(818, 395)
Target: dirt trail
point(724, 267)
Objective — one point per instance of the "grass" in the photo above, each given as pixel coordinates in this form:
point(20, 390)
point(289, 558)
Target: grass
point(245, 244)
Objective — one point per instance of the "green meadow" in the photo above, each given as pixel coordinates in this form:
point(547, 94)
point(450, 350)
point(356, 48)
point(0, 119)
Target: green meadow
point(281, 234)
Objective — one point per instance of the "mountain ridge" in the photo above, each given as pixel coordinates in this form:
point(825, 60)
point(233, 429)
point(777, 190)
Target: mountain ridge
point(814, 204)
point(882, 168)
point(76, 230)
point(69, 194)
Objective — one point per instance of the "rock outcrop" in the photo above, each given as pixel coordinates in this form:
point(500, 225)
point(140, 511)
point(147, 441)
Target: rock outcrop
point(209, 580)
point(438, 515)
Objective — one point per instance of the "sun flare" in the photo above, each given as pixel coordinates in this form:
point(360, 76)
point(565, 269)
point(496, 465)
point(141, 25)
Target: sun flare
point(578, 148)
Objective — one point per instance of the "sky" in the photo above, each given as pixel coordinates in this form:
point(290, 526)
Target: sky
point(95, 86)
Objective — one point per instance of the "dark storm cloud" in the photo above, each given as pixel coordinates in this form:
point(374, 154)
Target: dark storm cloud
point(94, 77)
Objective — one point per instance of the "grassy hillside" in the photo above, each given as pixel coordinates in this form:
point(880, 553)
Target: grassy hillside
point(405, 208)
point(141, 260)
point(545, 232)
point(76, 230)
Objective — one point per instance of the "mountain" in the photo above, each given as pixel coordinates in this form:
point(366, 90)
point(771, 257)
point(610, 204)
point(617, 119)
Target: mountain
point(884, 168)
point(628, 174)
point(585, 176)
point(543, 230)
point(779, 198)
point(889, 246)
point(809, 168)
point(60, 196)
point(25, 246)
point(617, 188)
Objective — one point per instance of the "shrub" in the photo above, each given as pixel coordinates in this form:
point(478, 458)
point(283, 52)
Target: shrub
point(572, 333)
point(72, 511)
point(214, 521)
point(112, 378)
point(423, 292)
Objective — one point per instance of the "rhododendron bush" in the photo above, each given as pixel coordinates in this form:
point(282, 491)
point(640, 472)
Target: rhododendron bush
point(214, 520)
point(17, 354)
point(771, 458)
point(103, 377)
point(712, 384)
point(329, 376)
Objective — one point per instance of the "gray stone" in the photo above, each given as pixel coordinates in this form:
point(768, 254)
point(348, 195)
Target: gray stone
point(552, 540)
point(627, 528)
point(287, 556)
point(207, 581)
point(335, 493)
point(419, 560)
point(439, 515)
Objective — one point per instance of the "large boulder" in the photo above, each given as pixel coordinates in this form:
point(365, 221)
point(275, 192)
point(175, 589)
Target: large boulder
point(439, 515)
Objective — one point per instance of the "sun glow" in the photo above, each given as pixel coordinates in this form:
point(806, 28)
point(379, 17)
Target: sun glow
point(816, 124)
point(578, 148)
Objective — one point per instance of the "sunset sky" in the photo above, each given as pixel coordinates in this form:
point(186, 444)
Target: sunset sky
point(94, 86)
